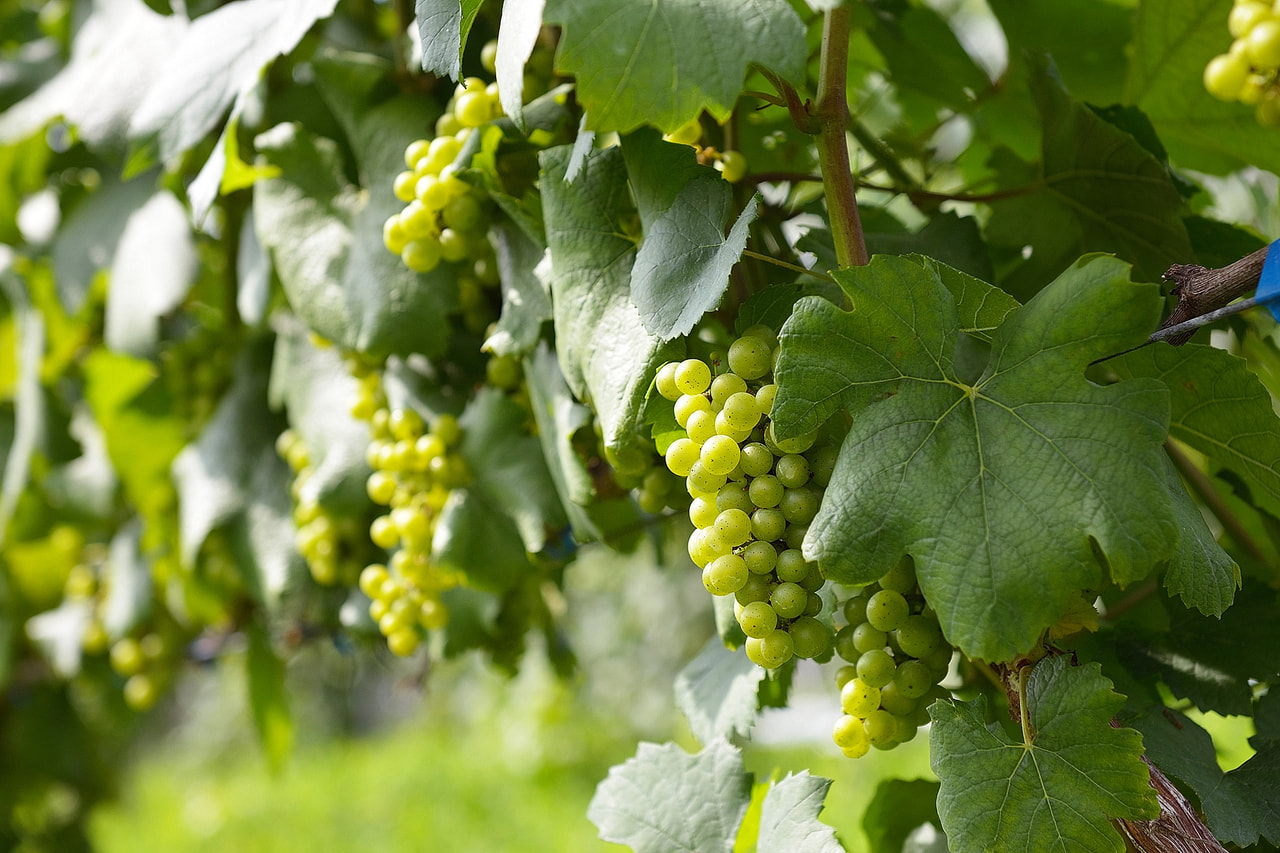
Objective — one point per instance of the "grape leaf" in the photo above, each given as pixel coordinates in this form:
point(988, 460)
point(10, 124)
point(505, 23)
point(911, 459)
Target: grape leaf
point(268, 698)
point(954, 240)
point(1212, 661)
point(525, 303)
point(1266, 720)
point(89, 235)
point(476, 539)
point(507, 468)
point(262, 537)
point(325, 238)
point(214, 473)
point(316, 390)
point(719, 692)
point(930, 452)
point(664, 800)
point(1217, 406)
point(116, 55)
point(607, 356)
point(218, 57)
point(662, 63)
point(1095, 189)
point(1054, 790)
point(682, 268)
point(1200, 573)
point(517, 35)
point(1173, 40)
point(923, 55)
point(1237, 807)
point(154, 266)
point(789, 819)
point(898, 807)
point(443, 26)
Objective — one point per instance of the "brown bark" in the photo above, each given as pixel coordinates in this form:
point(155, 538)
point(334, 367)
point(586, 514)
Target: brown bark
point(1179, 828)
point(1202, 290)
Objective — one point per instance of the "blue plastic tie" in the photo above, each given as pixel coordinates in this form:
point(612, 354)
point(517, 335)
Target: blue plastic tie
point(1269, 283)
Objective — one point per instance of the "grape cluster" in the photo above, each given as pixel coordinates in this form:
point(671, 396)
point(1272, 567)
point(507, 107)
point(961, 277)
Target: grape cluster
point(414, 471)
point(731, 164)
point(1249, 72)
point(331, 544)
point(753, 497)
point(895, 656)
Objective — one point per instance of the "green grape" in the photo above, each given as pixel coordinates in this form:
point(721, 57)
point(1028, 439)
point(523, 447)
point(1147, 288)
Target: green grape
point(795, 534)
point(855, 608)
point(453, 246)
point(876, 667)
point(776, 649)
point(919, 636)
point(489, 56)
point(758, 619)
point(887, 610)
point(741, 412)
point(472, 109)
point(789, 600)
point(810, 638)
point(734, 527)
point(797, 444)
point(1262, 44)
point(901, 578)
point(750, 357)
point(761, 557)
point(733, 496)
point(383, 532)
point(732, 166)
point(403, 641)
point(822, 463)
point(752, 647)
point(756, 460)
point(415, 151)
point(703, 480)
point(1225, 76)
point(725, 575)
point(851, 736)
point(913, 679)
point(464, 213)
point(701, 426)
point(1244, 15)
point(939, 662)
point(812, 603)
point(723, 427)
point(682, 455)
point(867, 637)
point(402, 186)
point(140, 692)
point(686, 134)
point(757, 588)
point(504, 371)
point(666, 382)
point(845, 647)
point(792, 566)
point(651, 502)
point(892, 700)
point(765, 396)
point(720, 455)
point(765, 491)
point(881, 728)
point(799, 506)
point(687, 405)
point(844, 675)
point(907, 728)
point(421, 255)
point(768, 525)
point(792, 471)
point(702, 513)
point(725, 386)
point(446, 428)
point(859, 698)
point(126, 657)
point(693, 376)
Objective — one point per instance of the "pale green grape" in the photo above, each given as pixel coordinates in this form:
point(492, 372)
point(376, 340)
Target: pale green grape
point(750, 357)
point(702, 513)
point(725, 386)
point(765, 491)
point(810, 638)
point(757, 588)
point(682, 455)
point(756, 460)
point(666, 382)
point(720, 455)
point(725, 575)
point(792, 471)
point(776, 649)
point(758, 619)
point(859, 698)
point(799, 506)
point(867, 637)
point(701, 425)
point(768, 525)
point(887, 610)
point(792, 567)
point(919, 636)
point(789, 600)
point(876, 667)
point(733, 526)
point(741, 412)
point(881, 728)
point(913, 679)
point(761, 557)
point(734, 496)
point(687, 405)
point(693, 376)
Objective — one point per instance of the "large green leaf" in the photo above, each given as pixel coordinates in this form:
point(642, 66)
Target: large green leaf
point(474, 538)
point(899, 808)
point(154, 266)
point(1095, 189)
point(218, 57)
point(662, 62)
point(682, 268)
point(517, 35)
point(443, 26)
point(1173, 41)
point(607, 355)
point(719, 692)
point(116, 56)
point(525, 303)
point(1058, 787)
point(325, 238)
point(789, 818)
point(1200, 573)
point(1034, 472)
point(1238, 806)
point(924, 56)
point(664, 800)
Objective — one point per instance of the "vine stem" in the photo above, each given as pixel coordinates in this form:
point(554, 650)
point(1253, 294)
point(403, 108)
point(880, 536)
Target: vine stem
point(785, 265)
point(831, 112)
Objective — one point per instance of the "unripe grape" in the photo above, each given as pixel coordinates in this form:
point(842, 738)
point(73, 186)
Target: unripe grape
point(799, 506)
point(1225, 76)
point(810, 638)
point(1262, 44)
point(403, 186)
point(383, 532)
point(734, 496)
point(887, 610)
point(403, 641)
point(881, 728)
point(766, 491)
point(768, 525)
point(725, 575)
point(844, 675)
point(472, 109)
point(749, 357)
point(892, 700)
point(757, 588)
point(919, 636)
point(859, 699)
point(776, 649)
point(489, 56)
point(421, 255)
point(666, 382)
point(844, 644)
point(855, 608)
point(866, 637)
point(789, 600)
point(761, 557)
point(756, 460)
point(758, 619)
point(792, 567)
point(693, 376)
point(913, 679)
point(876, 668)
point(732, 166)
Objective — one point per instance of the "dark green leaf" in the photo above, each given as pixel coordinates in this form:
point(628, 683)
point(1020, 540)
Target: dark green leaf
point(664, 800)
point(662, 63)
point(1218, 244)
point(219, 56)
point(789, 820)
point(1173, 41)
point(325, 238)
point(525, 303)
point(1096, 189)
point(1057, 788)
point(928, 450)
point(154, 266)
point(954, 240)
point(507, 467)
point(607, 356)
point(474, 538)
point(1200, 573)
point(682, 268)
point(718, 692)
point(923, 54)
point(268, 698)
point(772, 306)
point(444, 26)
point(899, 807)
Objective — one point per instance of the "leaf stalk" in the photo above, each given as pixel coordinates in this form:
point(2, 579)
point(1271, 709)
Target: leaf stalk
point(831, 114)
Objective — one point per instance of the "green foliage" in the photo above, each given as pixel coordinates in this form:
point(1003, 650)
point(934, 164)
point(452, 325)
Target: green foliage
point(1054, 788)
